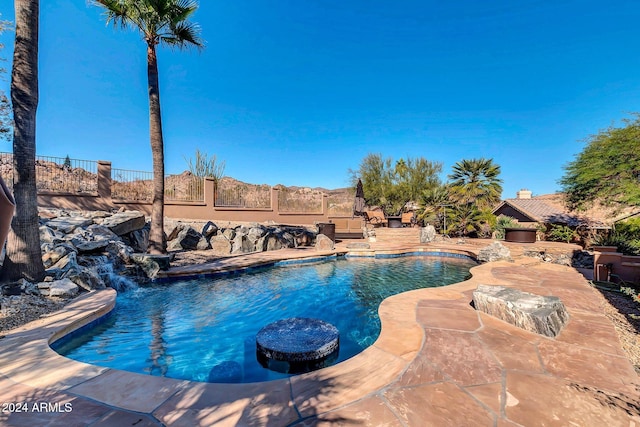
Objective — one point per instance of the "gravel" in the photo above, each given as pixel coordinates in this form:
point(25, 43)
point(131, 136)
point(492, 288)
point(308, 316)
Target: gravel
point(17, 310)
point(625, 315)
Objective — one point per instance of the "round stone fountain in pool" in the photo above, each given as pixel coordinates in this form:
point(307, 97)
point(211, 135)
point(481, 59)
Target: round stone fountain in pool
point(297, 345)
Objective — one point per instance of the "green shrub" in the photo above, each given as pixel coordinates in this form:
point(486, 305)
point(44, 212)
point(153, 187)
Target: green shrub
point(561, 233)
point(630, 228)
point(625, 243)
point(503, 222)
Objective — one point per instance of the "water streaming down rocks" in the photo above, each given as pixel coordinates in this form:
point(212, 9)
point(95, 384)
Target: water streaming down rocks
point(99, 249)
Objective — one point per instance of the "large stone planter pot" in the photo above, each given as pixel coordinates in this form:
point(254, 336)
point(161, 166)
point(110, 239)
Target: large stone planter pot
point(520, 235)
point(394, 221)
point(328, 229)
point(7, 207)
point(605, 248)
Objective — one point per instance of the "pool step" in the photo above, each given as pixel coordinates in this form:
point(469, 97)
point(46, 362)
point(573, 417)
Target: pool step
point(398, 235)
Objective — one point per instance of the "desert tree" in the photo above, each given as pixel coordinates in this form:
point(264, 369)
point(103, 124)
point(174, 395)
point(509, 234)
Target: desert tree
point(391, 185)
point(607, 170)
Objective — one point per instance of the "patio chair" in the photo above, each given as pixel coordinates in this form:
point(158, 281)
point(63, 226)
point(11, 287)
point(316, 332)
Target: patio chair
point(375, 218)
point(408, 219)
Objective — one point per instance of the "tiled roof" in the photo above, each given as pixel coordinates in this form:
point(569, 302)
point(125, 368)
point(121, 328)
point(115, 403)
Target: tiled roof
point(550, 208)
point(540, 211)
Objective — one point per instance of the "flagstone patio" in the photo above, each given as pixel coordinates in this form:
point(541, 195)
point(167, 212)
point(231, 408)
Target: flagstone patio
point(437, 362)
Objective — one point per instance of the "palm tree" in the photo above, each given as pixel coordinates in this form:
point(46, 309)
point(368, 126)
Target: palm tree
point(433, 202)
point(23, 257)
point(476, 181)
point(160, 22)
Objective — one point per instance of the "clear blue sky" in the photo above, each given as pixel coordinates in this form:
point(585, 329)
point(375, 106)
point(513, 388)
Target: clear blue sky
point(297, 92)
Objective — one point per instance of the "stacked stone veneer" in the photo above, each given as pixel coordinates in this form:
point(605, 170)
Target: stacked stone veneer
point(545, 315)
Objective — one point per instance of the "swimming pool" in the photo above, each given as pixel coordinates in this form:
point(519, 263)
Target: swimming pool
point(204, 329)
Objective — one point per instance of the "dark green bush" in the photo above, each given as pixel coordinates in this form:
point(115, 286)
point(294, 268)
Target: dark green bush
point(561, 233)
point(625, 243)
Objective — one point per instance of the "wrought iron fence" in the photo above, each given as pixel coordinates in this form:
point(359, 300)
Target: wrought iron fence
point(300, 200)
point(243, 196)
point(131, 185)
point(6, 169)
point(57, 174)
point(184, 188)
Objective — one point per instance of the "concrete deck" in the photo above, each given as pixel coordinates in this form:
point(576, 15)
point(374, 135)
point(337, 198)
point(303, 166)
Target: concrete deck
point(437, 362)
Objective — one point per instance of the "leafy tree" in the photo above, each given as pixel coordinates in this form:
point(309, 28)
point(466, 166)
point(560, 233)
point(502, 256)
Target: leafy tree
point(392, 185)
point(160, 22)
point(67, 163)
point(607, 170)
point(476, 181)
point(23, 257)
point(5, 106)
point(205, 166)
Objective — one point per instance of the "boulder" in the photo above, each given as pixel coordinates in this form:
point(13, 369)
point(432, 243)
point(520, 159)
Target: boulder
point(544, 315)
point(119, 252)
point(209, 229)
point(324, 243)
point(67, 225)
point(304, 238)
point(220, 245)
point(494, 252)
point(241, 245)
point(427, 234)
point(151, 264)
point(67, 262)
point(261, 244)
point(49, 235)
point(255, 233)
point(100, 232)
point(92, 246)
point(139, 239)
point(287, 240)
point(189, 239)
point(273, 243)
point(229, 233)
point(58, 288)
point(85, 278)
point(125, 222)
point(51, 257)
point(172, 228)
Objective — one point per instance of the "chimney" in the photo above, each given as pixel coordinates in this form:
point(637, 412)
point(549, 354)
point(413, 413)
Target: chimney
point(523, 194)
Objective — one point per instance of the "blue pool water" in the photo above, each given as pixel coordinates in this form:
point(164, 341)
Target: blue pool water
point(205, 329)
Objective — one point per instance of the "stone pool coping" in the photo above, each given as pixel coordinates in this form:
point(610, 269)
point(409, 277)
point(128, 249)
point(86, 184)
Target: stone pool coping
point(436, 358)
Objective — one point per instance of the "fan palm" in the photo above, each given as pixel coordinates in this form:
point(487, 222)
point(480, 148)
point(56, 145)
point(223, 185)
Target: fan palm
point(23, 256)
point(432, 200)
point(160, 22)
point(476, 181)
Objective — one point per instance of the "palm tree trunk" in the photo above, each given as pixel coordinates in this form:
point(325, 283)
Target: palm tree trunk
point(23, 256)
point(157, 241)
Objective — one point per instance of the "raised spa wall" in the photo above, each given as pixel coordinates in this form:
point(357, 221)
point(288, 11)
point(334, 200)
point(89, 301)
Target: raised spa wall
point(609, 265)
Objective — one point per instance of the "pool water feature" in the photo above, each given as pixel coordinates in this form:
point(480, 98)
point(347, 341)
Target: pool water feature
point(205, 329)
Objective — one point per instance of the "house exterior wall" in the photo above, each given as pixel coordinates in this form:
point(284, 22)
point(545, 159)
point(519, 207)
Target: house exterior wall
point(513, 213)
point(608, 266)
